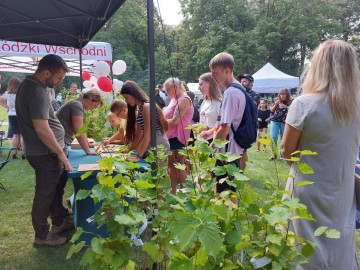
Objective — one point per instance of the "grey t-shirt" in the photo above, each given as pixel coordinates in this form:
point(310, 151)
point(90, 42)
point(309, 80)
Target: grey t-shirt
point(64, 114)
point(32, 103)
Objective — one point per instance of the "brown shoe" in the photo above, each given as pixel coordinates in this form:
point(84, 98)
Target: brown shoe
point(51, 240)
point(67, 225)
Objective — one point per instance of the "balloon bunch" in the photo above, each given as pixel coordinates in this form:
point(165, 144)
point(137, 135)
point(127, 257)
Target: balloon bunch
point(99, 78)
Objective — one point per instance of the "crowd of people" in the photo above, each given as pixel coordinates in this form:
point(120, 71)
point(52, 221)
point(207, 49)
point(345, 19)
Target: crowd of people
point(325, 118)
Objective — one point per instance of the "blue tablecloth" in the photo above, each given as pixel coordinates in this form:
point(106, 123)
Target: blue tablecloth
point(85, 209)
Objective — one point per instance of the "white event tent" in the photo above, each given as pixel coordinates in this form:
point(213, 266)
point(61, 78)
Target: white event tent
point(268, 79)
point(24, 57)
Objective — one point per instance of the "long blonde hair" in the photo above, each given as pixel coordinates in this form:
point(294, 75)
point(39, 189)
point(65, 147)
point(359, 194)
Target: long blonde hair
point(334, 70)
point(214, 92)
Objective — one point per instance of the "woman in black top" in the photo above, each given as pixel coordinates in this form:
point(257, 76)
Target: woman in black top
point(263, 120)
point(277, 121)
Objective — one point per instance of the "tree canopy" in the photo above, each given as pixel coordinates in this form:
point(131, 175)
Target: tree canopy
point(283, 32)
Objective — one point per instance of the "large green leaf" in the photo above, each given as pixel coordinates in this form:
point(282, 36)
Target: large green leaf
point(303, 183)
point(81, 130)
point(319, 231)
point(307, 250)
point(82, 194)
point(275, 238)
point(152, 250)
point(75, 248)
point(200, 258)
point(221, 211)
point(86, 175)
point(305, 168)
point(277, 214)
point(97, 245)
point(143, 184)
point(210, 238)
point(180, 262)
point(332, 233)
point(125, 220)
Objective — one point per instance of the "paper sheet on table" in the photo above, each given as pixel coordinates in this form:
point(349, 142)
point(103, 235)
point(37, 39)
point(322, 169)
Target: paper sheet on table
point(88, 167)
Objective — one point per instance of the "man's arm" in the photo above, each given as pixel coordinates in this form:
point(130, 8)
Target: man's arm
point(47, 136)
point(222, 132)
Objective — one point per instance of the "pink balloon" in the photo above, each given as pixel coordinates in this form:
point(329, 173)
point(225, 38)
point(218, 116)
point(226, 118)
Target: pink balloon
point(104, 84)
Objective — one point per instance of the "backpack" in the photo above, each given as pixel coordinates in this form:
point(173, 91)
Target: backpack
point(246, 133)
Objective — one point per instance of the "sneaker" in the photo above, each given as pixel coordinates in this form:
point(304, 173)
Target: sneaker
point(67, 225)
point(15, 156)
point(51, 240)
point(272, 158)
point(23, 157)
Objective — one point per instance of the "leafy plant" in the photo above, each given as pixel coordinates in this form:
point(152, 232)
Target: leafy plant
point(197, 229)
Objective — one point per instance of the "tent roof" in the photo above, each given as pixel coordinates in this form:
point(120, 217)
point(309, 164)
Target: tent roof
point(268, 79)
point(55, 22)
point(270, 72)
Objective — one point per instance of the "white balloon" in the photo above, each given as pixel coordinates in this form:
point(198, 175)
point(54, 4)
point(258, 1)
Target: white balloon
point(117, 84)
point(102, 68)
point(93, 80)
point(87, 84)
point(119, 67)
point(97, 74)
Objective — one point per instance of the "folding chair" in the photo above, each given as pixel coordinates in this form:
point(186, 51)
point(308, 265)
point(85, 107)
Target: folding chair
point(3, 163)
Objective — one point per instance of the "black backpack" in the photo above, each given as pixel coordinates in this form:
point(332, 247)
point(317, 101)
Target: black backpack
point(246, 133)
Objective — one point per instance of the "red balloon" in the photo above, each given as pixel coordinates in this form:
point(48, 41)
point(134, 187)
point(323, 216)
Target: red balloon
point(108, 61)
point(104, 84)
point(86, 76)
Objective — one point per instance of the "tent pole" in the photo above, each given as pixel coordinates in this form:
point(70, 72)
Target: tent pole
point(151, 66)
point(80, 58)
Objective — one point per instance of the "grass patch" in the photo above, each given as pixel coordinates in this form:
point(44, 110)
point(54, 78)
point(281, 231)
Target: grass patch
point(16, 232)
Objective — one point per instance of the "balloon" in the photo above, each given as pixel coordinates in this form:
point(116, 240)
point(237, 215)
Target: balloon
point(117, 85)
point(104, 84)
point(93, 80)
point(102, 68)
point(87, 84)
point(97, 75)
point(86, 76)
point(119, 67)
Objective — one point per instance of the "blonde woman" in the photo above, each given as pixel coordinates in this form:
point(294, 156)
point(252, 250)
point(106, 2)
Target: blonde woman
point(178, 114)
point(325, 118)
point(210, 107)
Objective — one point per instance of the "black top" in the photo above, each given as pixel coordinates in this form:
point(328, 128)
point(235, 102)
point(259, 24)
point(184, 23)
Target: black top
point(263, 115)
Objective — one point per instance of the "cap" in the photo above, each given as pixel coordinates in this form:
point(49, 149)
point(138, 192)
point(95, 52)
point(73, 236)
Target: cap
point(246, 76)
point(159, 86)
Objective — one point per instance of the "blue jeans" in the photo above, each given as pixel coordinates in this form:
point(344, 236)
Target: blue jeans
point(276, 129)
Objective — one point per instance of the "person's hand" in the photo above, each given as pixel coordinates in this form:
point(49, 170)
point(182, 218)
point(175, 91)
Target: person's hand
point(93, 144)
point(259, 119)
point(91, 153)
point(205, 134)
point(106, 142)
point(64, 162)
point(267, 120)
point(277, 102)
point(282, 106)
point(133, 159)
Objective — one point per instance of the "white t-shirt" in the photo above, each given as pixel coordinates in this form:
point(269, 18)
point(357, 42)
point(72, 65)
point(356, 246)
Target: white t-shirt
point(162, 95)
point(209, 111)
point(10, 101)
point(231, 112)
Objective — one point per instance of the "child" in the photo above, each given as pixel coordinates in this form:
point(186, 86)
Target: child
point(263, 120)
point(117, 119)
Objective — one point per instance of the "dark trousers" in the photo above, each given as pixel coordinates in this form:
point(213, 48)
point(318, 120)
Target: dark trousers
point(225, 186)
point(47, 188)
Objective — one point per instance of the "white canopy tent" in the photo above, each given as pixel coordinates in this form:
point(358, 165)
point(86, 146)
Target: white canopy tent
point(24, 57)
point(268, 79)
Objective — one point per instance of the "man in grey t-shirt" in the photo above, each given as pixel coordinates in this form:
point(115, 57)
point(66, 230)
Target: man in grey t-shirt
point(44, 142)
point(232, 108)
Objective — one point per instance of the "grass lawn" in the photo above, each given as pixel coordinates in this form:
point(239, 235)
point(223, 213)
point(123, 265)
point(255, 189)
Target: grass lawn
point(16, 232)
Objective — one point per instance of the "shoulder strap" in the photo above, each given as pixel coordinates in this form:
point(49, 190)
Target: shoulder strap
point(240, 87)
